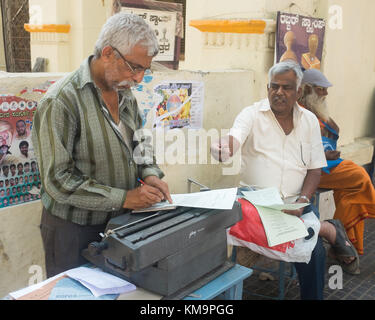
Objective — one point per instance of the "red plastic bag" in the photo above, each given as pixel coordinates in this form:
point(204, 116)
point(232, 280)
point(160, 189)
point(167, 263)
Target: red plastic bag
point(249, 232)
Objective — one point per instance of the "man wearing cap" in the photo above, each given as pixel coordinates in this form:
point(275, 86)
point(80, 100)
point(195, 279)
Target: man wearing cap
point(354, 193)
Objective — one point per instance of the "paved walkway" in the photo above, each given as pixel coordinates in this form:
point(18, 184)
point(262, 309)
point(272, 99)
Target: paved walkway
point(358, 287)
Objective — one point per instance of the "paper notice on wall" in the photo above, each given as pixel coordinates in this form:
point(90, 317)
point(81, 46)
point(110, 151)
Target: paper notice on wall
point(179, 105)
point(164, 25)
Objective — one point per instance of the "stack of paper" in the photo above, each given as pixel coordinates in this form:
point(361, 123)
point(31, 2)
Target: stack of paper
point(69, 289)
point(99, 282)
point(279, 226)
point(60, 287)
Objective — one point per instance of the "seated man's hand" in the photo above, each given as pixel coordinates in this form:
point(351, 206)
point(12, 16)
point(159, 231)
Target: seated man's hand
point(297, 213)
point(220, 150)
point(142, 197)
point(332, 154)
point(162, 186)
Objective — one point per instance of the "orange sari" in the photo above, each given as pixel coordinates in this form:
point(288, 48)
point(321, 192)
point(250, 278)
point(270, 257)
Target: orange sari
point(354, 197)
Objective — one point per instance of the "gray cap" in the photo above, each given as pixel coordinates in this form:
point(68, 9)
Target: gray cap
point(315, 77)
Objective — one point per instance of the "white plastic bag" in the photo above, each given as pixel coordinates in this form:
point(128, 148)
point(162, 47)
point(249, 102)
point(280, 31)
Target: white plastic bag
point(249, 232)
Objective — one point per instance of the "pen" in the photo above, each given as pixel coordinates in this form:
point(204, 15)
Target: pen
point(302, 155)
point(143, 183)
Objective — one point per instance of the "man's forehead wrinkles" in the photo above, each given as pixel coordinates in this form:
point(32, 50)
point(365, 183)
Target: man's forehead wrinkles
point(283, 81)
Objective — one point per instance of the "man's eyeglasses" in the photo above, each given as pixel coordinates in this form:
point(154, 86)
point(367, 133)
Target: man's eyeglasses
point(133, 69)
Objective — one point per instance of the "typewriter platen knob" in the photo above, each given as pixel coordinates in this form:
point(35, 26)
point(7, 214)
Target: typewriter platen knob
point(96, 248)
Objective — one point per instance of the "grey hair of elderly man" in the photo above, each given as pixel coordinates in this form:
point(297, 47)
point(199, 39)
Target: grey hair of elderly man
point(283, 67)
point(124, 31)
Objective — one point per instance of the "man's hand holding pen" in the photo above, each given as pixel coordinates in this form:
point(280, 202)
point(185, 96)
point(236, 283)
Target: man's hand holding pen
point(152, 190)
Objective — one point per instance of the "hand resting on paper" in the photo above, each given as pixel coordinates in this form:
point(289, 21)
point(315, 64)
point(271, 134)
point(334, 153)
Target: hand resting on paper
point(297, 212)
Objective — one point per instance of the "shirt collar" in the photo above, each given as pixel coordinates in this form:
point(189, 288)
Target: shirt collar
point(85, 78)
point(85, 73)
point(265, 106)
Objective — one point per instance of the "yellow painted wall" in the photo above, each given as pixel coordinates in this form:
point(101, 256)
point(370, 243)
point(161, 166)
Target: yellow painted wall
point(245, 51)
point(21, 247)
point(348, 59)
point(349, 63)
point(86, 18)
point(251, 52)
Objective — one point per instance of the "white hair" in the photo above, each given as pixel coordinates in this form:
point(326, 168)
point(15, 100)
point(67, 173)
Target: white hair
point(123, 31)
point(315, 103)
point(283, 67)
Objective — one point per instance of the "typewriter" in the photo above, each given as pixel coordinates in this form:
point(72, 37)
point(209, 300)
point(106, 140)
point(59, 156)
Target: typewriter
point(171, 253)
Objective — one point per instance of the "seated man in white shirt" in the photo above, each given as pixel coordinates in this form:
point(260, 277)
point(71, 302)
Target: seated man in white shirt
point(281, 147)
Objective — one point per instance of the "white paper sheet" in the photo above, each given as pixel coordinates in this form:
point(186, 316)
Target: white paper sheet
point(214, 199)
point(270, 198)
point(279, 226)
point(99, 282)
point(263, 197)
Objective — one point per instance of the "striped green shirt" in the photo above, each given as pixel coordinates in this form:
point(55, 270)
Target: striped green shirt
point(85, 165)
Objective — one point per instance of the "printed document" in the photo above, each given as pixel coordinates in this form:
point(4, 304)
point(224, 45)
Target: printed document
point(270, 198)
point(279, 226)
point(214, 199)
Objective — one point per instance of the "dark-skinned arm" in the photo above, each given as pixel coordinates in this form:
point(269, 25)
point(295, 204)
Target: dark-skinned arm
point(310, 184)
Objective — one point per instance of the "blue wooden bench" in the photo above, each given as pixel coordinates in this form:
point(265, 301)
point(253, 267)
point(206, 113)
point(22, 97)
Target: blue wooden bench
point(227, 286)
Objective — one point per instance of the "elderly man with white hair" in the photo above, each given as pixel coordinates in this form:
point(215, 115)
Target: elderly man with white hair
point(83, 138)
point(354, 192)
point(281, 147)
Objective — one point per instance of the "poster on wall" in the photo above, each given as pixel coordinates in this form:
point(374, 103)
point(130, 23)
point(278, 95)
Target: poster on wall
point(19, 173)
point(180, 105)
point(170, 104)
point(300, 38)
point(166, 18)
point(164, 25)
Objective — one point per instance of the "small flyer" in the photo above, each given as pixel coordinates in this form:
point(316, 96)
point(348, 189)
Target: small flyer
point(180, 105)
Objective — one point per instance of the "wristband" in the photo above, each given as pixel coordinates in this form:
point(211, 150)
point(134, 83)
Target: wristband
point(305, 198)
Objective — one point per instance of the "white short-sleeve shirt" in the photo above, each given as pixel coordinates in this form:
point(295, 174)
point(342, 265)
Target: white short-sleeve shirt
point(269, 157)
